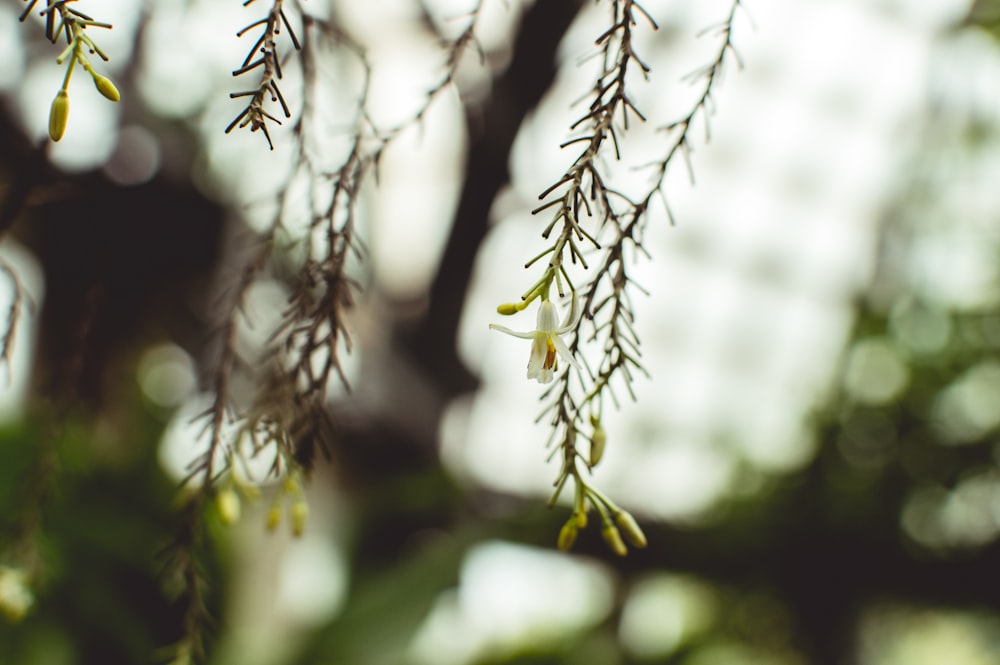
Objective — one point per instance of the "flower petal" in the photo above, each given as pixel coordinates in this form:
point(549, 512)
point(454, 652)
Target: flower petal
point(548, 317)
point(572, 317)
point(504, 329)
point(564, 351)
point(537, 360)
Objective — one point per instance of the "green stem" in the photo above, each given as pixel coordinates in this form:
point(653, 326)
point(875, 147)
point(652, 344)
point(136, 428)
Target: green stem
point(601, 501)
point(69, 68)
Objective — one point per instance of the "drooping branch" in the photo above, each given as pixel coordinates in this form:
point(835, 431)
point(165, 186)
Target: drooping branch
point(263, 56)
point(287, 417)
point(584, 207)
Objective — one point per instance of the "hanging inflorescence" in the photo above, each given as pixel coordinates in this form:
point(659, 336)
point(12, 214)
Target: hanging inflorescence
point(62, 20)
point(583, 207)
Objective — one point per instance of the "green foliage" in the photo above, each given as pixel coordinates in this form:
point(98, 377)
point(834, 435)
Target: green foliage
point(89, 527)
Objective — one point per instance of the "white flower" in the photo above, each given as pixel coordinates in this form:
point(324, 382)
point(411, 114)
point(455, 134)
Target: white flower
point(546, 341)
point(15, 595)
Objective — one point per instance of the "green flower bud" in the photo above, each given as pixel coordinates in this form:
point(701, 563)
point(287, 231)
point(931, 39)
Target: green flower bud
point(106, 87)
point(228, 503)
point(300, 513)
point(631, 528)
point(507, 309)
point(597, 441)
point(580, 517)
point(59, 115)
point(614, 539)
point(567, 536)
point(273, 517)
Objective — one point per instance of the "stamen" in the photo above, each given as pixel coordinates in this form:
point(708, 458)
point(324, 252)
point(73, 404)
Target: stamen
point(550, 355)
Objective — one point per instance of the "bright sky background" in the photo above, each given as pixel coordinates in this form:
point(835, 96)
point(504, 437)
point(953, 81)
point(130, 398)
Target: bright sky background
point(750, 292)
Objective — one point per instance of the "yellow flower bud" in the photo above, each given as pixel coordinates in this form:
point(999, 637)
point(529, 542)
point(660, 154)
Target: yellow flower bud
point(300, 513)
point(580, 517)
point(228, 503)
point(614, 539)
point(567, 535)
point(597, 441)
point(106, 87)
point(631, 528)
point(508, 308)
point(273, 517)
point(59, 115)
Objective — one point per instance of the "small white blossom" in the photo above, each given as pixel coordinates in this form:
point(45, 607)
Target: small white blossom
point(15, 596)
point(546, 342)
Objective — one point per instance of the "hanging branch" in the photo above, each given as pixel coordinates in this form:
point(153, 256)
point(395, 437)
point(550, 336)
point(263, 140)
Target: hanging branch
point(287, 419)
point(305, 350)
point(580, 200)
point(20, 299)
point(269, 63)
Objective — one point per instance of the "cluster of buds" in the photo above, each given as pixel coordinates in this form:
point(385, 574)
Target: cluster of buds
point(547, 347)
point(291, 490)
point(615, 522)
point(59, 111)
point(80, 46)
point(228, 502)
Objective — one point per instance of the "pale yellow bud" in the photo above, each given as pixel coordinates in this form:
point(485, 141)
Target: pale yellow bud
point(273, 517)
point(106, 87)
point(508, 308)
point(300, 513)
point(59, 115)
point(614, 539)
point(567, 536)
point(597, 441)
point(631, 528)
point(228, 503)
